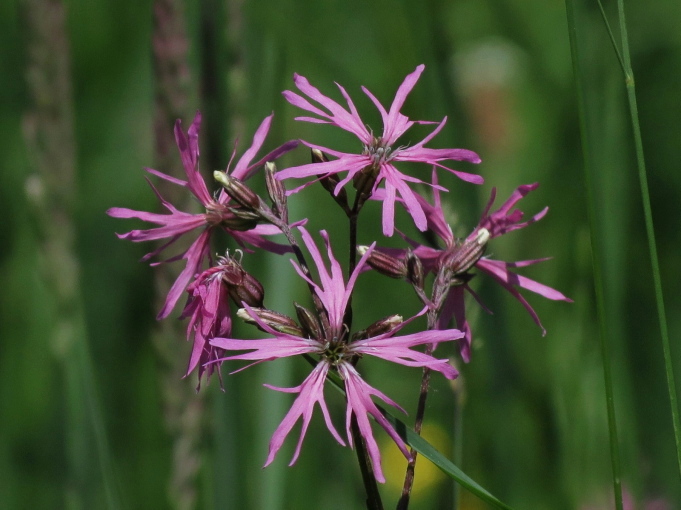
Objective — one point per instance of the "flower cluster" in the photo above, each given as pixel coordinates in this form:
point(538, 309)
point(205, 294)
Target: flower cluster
point(323, 333)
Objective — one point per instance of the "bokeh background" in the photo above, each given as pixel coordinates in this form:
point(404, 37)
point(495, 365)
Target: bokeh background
point(94, 411)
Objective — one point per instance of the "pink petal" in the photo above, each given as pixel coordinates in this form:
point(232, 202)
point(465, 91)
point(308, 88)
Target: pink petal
point(455, 306)
point(194, 256)
point(397, 123)
point(189, 153)
point(426, 155)
point(500, 270)
point(311, 392)
point(360, 404)
point(389, 210)
point(241, 169)
point(304, 104)
point(340, 117)
point(167, 177)
point(344, 163)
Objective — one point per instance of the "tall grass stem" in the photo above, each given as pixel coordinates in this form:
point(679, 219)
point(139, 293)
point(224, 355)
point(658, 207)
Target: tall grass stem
point(596, 249)
point(650, 229)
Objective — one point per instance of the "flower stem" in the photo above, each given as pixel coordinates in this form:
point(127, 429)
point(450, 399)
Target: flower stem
point(433, 313)
point(353, 217)
point(403, 503)
point(373, 500)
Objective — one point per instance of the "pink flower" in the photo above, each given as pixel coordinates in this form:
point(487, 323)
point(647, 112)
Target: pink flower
point(209, 313)
point(208, 310)
point(379, 155)
point(219, 213)
point(335, 349)
point(460, 256)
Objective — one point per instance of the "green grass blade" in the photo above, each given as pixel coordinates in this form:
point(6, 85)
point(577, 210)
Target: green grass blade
point(650, 229)
point(446, 466)
point(427, 450)
point(596, 244)
point(612, 37)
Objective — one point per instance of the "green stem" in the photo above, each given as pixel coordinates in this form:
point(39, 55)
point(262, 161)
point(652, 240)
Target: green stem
point(403, 503)
point(612, 37)
point(650, 230)
point(373, 500)
point(596, 241)
point(440, 292)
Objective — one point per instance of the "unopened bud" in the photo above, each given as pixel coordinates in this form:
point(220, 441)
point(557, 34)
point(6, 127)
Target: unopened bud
point(240, 219)
point(277, 321)
point(415, 273)
point(248, 290)
point(380, 327)
point(241, 285)
point(464, 256)
point(318, 156)
point(277, 192)
point(364, 181)
point(330, 182)
point(238, 191)
point(309, 322)
point(384, 263)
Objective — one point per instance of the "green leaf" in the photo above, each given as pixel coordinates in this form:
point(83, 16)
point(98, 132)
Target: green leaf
point(448, 467)
point(426, 449)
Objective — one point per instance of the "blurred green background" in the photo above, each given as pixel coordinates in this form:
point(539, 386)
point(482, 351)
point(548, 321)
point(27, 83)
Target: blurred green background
point(94, 411)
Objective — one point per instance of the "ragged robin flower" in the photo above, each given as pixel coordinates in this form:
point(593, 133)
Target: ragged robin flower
point(208, 310)
point(377, 161)
point(220, 213)
point(330, 342)
point(454, 264)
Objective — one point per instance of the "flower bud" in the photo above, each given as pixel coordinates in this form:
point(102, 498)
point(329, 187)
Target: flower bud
point(309, 322)
point(277, 321)
point(415, 273)
point(241, 285)
point(329, 182)
point(384, 263)
point(380, 327)
point(464, 256)
point(238, 191)
point(240, 219)
point(248, 290)
point(277, 192)
point(364, 181)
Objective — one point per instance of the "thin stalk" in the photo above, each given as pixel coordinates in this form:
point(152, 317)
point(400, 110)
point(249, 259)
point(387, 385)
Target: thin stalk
point(439, 294)
point(183, 408)
point(650, 229)
point(403, 503)
point(373, 500)
point(352, 263)
point(370, 485)
point(596, 240)
point(457, 409)
point(373, 496)
point(52, 191)
point(612, 37)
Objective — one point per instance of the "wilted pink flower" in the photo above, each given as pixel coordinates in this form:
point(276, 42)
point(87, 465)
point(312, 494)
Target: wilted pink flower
point(219, 213)
point(208, 310)
point(335, 350)
point(379, 155)
point(459, 256)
